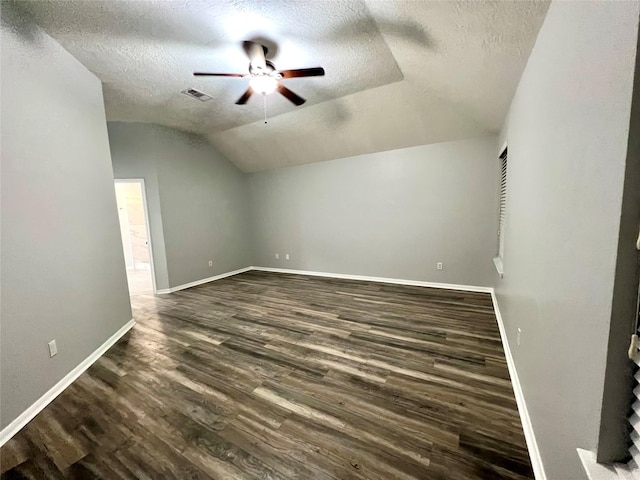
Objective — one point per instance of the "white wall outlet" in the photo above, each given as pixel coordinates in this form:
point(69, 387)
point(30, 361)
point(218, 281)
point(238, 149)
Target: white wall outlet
point(211, 263)
point(277, 256)
point(439, 265)
point(53, 348)
point(518, 336)
point(287, 257)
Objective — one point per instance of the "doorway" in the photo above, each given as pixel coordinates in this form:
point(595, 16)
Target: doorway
point(136, 241)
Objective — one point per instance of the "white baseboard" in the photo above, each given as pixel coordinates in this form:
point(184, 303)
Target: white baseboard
point(26, 416)
point(204, 280)
point(398, 281)
point(532, 445)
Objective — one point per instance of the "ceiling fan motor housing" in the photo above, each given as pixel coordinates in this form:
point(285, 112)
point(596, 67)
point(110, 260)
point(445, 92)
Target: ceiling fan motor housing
point(259, 70)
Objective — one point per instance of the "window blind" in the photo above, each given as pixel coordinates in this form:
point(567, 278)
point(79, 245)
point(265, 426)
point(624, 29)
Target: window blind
point(635, 423)
point(503, 203)
point(634, 419)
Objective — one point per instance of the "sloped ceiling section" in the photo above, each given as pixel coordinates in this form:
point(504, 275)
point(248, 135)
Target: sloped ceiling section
point(399, 73)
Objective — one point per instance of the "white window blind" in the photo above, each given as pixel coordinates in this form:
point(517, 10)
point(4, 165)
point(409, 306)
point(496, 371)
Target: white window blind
point(635, 423)
point(503, 203)
point(634, 419)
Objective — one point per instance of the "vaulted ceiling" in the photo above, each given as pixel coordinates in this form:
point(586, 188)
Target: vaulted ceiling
point(399, 73)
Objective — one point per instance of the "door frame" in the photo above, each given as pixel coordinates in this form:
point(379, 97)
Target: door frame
point(143, 188)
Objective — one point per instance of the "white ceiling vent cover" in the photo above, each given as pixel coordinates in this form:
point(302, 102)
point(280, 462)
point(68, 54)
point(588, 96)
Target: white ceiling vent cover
point(197, 94)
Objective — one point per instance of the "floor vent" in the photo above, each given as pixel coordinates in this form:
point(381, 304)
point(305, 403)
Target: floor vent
point(197, 94)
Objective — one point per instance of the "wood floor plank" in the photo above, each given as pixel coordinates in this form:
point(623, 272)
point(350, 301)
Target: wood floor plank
point(280, 376)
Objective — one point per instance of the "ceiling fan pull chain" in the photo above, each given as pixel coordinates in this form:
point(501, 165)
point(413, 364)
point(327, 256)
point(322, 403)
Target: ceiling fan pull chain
point(264, 96)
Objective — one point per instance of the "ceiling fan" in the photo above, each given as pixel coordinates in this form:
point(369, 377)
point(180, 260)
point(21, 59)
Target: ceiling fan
point(263, 76)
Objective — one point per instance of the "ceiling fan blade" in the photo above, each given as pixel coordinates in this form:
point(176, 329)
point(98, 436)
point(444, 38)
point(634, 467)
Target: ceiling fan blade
point(302, 72)
point(204, 74)
point(292, 97)
point(245, 96)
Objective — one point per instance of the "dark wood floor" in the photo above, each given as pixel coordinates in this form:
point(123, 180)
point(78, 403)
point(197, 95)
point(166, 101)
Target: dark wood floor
point(273, 376)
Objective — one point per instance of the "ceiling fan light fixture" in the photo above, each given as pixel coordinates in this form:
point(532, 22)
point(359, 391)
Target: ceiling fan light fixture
point(263, 84)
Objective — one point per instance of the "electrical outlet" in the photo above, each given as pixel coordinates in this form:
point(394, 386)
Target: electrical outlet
point(211, 263)
point(439, 265)
point(277, 256)
point(287, 257)
point(53, 348)
point(518, 336)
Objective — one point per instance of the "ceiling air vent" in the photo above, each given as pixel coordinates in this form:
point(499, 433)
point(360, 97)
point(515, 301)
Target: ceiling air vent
point(197, 94)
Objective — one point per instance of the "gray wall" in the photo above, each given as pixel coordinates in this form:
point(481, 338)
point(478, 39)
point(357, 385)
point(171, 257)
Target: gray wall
point(391, 214)
point(62, 265)
point(134, 156)
point(567, 133)
point(616, 405)
point(197, 201)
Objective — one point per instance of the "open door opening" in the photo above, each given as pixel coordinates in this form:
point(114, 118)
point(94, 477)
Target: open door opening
point(136, 242)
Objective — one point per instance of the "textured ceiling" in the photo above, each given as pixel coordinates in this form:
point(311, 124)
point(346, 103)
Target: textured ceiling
point(399, 72)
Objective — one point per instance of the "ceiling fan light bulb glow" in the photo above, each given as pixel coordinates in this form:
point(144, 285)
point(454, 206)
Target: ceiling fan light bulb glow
point(263, 84)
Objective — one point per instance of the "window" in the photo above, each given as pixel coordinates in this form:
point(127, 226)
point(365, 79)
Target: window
point(502, 212)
